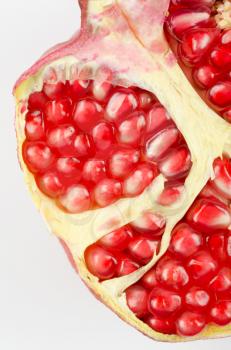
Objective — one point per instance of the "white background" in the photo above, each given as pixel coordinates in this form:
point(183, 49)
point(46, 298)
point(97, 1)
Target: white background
point(43, 304)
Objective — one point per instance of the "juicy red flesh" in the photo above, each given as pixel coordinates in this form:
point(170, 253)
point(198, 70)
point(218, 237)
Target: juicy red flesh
point(203, 51)
point(89, 144)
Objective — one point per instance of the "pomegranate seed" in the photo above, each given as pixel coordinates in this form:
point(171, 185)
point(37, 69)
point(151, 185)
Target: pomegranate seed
point(117, 239)
point(131, 129)
point(70, 167)
point(210, 192)
point(79, 89)
point(149, 280)
point(208, 215)
point(107, 191)
point(54, 91)
point(101, 90)
point(84, 146)
point(197, 298)
point(220, 94)
point(209, 3)
point(163, 302)
point(157, 117)
point(50, 184)
point(170, 195)
point(176, 164)
point(171, 273)
point(137, 298)
point(121, 104)
point(150, 224)
point(202, 266)
point(62, 138)
point(165, 326)
point(205, 76)
point(126, 266)
point(57, 112)
point(222, 281)
point(37, 156)
point(218, 245)
point(123, 161)
point(103, 136)
point(221, 312)
point(37, 101)
point(190, 323)
point(94, 170)
point(159, 144)
point(34, 127)
point(195, 44)
point(226, 37)
point(222, 180)
point(139, 179)
point(221, 57)
point(76, 199)
point(185, 241)
point(145, 100)
point(100, 262)
point(87, 114)
point(142, 249)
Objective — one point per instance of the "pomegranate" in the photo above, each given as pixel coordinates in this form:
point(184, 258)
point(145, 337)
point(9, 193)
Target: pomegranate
point(124, 138)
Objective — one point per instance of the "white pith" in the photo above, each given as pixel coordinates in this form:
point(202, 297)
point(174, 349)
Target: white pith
point(223, 17)
point(206, 134)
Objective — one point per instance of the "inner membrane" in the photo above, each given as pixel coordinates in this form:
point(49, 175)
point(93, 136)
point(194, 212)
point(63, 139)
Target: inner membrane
point(89, 144)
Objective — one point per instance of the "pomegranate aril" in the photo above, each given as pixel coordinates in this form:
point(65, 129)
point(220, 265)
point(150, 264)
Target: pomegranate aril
point(118, 239)
point(202, 266)
point(170, 194)
point(220, 94)
point(37, 101)
point(159, 144)
point(37, 156)
point(185, 241)
point(123, 161)
point(171, 273)
point(57, 112)
point(101, 90)
point(50, 184)
point(220, 246)
point(163, 302)
point(137, 299)
point(149, 224)
point(157, 117)
point(131, 129)
point(206, 76)
point(139, 179)
point(84, 146)
point(209, 3)
point(190, 323)
point(149, 280)
point(34, 127)
point(107, 191)
point(94, 170)
point(62, 139)
point(70, 167)
point(126, 266)
point(145, 100)
point(103, 136)
point(79, 89)
point(176, 164)
point(222, 281)
point(76, 199)
point(87, 114)
point(160, 324)
point(54, 90)
point(100, 262)
point(142, 249)
point(221, 312)
point(221, 57)
point(222, 180)
point(121, 104)
point(197, 298)
point(210, 192)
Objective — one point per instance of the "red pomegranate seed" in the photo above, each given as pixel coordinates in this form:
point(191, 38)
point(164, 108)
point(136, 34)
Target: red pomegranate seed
point(195, 45)
point(190, 323)
point(76, 199)
point(222, 281)
point(50, 184)
point(37, 156)
point(170, 194)
point(139, 179)
point(62, 139)
point(54, 91)
point(100, 262)
point(176, 164)
point(70, 167)
point(157, 117)
point(57, 112)
point(209, 3)
point(121, 104)
point(171, 273)
point(123, 161)
point(221, 312)
point(117, 239)
point(79, 89)
point(142, 249)
point(226, 37)
point(221, 57)
point(107, 191)
point(94, 170)
point(220, 94)
point(137, 298)
point(37, 101)
point(222, 180)
point(201, 266)
point(103, 136)
point(209, 191)
point(185, 241)
point(163, 302)
point(150, 224)
point(87, 114)
point(84, 146)
point(101, 90)
point(149, 280)
point(145, 100)
point(159, 144)
point(205, 76)
point(34, 127)
point(126, 266)
point(131, 129)
point(160, 324)
point(197, 298)
point(219, 245)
